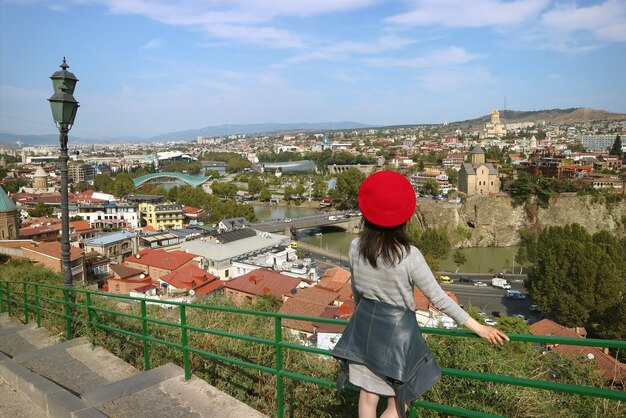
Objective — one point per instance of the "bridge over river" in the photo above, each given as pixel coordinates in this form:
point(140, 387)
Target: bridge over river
point(288, 225)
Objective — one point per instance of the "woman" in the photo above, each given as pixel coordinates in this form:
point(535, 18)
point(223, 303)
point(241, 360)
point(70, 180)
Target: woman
point(382, 344)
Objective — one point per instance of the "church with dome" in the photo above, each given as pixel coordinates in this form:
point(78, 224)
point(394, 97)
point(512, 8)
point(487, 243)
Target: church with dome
point(8, 217)
point(478, 177)
point(495, 128)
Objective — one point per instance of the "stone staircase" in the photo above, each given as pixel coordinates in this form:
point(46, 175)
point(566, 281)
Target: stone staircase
point(40, 376)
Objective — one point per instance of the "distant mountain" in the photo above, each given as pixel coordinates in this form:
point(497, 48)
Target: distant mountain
point(257, 128)
point(577, 114)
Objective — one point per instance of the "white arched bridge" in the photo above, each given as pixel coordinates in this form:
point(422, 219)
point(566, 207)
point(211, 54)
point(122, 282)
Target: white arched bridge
point(189, 179)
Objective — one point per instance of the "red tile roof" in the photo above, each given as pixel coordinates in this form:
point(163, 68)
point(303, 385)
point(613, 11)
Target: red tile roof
point(52, 249)
point(317, 295)
point(81, 226)
point(192, 278)
point(336, 274)
point(298, 307)
point(602, 361)
point(168, 260)
point(125, 272)
point(262, 281)
point(31, 231)
point(423, 304)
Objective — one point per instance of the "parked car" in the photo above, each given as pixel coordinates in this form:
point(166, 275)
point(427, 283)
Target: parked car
point(496, 314)
point(480, 284)
point(490, 322)
point(481, 313)
point(520, 316)
point(445, 279)
point(534, 308)
point(465, 279)
point(287, 220)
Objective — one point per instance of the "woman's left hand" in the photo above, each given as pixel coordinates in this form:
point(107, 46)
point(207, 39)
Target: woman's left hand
point(491, 334)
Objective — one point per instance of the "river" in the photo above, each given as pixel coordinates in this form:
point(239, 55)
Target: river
point(479, 259)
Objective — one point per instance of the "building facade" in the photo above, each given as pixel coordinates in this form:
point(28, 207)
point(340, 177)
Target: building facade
point(162, 216)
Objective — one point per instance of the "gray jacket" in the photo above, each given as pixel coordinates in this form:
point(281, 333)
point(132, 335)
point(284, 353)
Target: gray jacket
point(387, 339)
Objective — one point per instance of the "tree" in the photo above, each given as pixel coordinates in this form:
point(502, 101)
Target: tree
point(123, 185)
point(12, 186)
point(288, 193)
point(40, 210)
point(578, 279)
point(255, 184)
point(616, 149)
point(103, 183)
point(319, 188)
point(430, 187)
point(459, 258)
point(223, 189)
point(265, 195)
point(347, 188)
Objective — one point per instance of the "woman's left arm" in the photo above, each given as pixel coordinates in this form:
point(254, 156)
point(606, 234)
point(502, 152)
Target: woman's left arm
point(491, 334)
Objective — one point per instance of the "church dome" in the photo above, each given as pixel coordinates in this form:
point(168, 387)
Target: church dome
point(495, 112)
point(40, 172)
point(6, 204)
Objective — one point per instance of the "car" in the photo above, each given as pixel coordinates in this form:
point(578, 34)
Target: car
point(496, 314)
point(500, 275)
point(534, 308)
point(445, 279)
point(287, 220)
point(480, 284)
point(520, 316)
point(481, 313)
point(490, 322)
point(465, 279)
point(332, 218)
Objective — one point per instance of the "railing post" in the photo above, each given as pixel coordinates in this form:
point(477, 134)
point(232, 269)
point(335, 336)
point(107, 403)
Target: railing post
point(68, 319)
point(144, 334)
point(25, 300)
point(88, 306)
point(1, 296)
point(412, 411)
point(8, 293)
point(37, 307)
point(183, 329)
point(280, 396)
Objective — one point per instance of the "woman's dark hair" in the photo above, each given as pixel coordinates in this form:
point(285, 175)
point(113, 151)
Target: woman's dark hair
point(391, 244)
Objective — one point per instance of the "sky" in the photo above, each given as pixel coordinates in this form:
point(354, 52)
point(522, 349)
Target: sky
point(149, 67)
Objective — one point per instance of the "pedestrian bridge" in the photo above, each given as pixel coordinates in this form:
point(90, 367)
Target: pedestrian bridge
point(189, 179)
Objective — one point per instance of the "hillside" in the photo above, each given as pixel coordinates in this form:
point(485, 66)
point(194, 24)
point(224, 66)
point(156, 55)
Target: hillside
point(570, 115)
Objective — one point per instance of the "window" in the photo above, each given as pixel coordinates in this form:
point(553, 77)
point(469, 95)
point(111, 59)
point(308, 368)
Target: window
point(117, 287)
point(226, 273)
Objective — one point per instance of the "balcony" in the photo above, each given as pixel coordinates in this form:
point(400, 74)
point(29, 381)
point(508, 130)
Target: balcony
point(263, 357)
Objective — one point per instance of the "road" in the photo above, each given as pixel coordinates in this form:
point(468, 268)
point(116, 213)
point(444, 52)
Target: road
point(489, 299)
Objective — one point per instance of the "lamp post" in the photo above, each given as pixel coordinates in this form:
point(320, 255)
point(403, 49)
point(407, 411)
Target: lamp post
point(64, 107)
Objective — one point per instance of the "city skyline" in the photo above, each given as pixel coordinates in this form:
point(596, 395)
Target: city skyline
point(152, 67)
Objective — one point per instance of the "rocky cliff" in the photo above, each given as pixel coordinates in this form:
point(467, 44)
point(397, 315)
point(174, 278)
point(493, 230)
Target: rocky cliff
point(485, 221)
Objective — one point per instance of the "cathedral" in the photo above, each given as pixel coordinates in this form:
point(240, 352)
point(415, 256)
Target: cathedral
point(478, 177)
point(8, 217)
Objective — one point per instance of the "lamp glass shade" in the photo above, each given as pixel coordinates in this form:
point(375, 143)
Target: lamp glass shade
point(64, 108)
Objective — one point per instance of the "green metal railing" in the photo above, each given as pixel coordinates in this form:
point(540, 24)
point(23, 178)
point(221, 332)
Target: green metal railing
point(27, 299)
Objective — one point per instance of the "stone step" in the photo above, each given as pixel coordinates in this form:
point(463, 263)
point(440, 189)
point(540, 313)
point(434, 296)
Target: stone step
point(7, 321)
point(73, 379)
point(163, 391)
point(24, 339)
point(52, 399)
point(76, 365)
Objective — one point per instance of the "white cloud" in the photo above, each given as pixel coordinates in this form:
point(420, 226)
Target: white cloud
point(606, 21)
point(450, 80)
point(469, 13)
point(450, 56)
point(153, 43)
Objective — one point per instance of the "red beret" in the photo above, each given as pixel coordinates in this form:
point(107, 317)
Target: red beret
point(387, 199)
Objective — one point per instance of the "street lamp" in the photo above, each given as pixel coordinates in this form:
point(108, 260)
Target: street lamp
point(64, 107)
